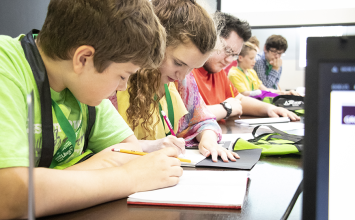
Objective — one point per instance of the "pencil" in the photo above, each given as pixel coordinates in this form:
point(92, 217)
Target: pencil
point(230, 86)
point(167, 121)
point(142, 153)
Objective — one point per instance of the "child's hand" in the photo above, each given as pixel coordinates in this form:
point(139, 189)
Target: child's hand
point(155, 170)
point(169, 141)
point(209, 146)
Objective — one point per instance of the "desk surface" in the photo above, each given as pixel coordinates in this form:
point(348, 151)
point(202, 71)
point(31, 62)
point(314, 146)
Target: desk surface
point(273, 181)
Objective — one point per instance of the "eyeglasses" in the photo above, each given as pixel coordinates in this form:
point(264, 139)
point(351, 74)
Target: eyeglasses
point(228, 52)
point(275, 52)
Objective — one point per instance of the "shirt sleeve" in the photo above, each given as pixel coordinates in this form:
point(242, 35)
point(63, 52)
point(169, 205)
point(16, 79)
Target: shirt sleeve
point(237, 81)
point(273, 79)
point(13, 123)
point(109, 128)
point(199, 118)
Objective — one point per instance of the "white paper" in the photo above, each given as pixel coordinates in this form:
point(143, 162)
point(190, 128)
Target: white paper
point(226, 188)
point(194, 155)
point(262, 120)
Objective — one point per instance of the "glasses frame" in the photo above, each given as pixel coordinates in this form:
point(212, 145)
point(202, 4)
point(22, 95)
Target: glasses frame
point(275, 52)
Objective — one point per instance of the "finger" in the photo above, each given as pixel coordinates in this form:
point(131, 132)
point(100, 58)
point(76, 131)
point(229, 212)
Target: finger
point(214, 154)
point(170, 151)
point(181, 148)
point(204, 151)
point(176, 171)
point(294, 117)
point(232, 156)
point(181, 144)
point(284, 113)
point(223, 155)
point(177, 142)
point(172, 181)
point(173, 161)
point(273, 114)
point(235, 155)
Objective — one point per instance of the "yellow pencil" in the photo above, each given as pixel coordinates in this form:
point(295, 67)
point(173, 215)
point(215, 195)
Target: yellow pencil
point(230, 86)
point(142, 153)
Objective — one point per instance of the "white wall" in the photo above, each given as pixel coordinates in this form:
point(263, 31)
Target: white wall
point(300, 12)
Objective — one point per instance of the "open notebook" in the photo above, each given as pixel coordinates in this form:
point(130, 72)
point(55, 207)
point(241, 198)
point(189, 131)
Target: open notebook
point(212, 189)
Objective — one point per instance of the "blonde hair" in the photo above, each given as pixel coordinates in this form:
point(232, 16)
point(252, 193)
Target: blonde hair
point(246, 48)
point(254, 41)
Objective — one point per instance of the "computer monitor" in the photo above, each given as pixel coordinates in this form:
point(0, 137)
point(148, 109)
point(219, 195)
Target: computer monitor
point(329, 147)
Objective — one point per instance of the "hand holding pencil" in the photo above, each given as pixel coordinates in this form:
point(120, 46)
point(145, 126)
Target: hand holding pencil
point(155, 170)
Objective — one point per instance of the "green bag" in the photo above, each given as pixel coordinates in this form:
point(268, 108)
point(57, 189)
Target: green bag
point(277, 143)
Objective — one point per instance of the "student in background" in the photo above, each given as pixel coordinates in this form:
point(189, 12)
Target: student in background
point(191, 36)
point(256, 43)
point(268, 64)
point(214, 86)
point(84, 64)
point(244, 77)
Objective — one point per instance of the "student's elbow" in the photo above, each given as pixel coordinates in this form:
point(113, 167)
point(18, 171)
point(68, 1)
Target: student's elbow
point(13, 193)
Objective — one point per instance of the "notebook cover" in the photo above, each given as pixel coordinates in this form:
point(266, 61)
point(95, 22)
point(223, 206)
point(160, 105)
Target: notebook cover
point(248, 158)
point(185, 205)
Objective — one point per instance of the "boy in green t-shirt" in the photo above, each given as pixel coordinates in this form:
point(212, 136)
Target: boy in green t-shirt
point(89, 49)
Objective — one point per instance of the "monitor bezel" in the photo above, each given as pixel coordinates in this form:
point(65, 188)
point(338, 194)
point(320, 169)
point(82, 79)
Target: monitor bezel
point(315, 157)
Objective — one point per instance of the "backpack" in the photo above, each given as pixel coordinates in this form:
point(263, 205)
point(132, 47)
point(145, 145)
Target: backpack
point(290, 102)
point(276, 143)
point(40, 75)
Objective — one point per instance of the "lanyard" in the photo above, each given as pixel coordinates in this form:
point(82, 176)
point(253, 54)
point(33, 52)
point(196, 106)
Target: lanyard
point(252, 84)
point(68, 146)
point(269, 68)
point(170, 109)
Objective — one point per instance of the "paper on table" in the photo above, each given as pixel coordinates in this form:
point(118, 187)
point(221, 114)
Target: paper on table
point(194, 155)
point(224, 189)
point(262, 120)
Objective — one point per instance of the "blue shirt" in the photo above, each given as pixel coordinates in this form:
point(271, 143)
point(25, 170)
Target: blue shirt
point(261, 67)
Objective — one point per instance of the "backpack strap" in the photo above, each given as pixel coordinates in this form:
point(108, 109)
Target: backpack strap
point(92, 118)
point(293, 97)
point(281, 134)
point(40, 74)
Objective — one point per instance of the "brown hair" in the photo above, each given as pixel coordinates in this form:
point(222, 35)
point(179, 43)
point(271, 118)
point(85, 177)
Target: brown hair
point(246, 48)
point(229, 23)
point(184, 21)
point(119, 31)
point(254, 41)
point(276, 41)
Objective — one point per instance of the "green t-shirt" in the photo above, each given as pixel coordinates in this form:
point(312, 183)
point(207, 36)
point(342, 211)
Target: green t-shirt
point(16, 81)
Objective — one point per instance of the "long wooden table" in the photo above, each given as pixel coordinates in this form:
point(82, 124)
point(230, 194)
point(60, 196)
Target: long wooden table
point(273, 181)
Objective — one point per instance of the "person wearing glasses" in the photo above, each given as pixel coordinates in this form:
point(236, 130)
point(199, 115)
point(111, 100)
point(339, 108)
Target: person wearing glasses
point(221, 97)
point(268, 64)
point(244, 77)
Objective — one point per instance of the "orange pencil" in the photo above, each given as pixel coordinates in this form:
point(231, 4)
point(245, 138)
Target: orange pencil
point(142, 153)
point(230, 86)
